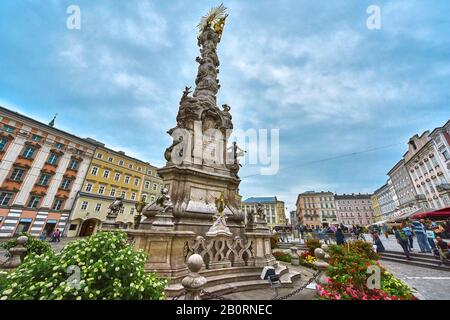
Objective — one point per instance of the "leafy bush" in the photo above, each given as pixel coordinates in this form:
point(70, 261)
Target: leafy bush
point(313, 244)
point(281, 256)
point(109, 269)
point(33, 245)
point(362, 248)
point(348, 275)
point(274, 241)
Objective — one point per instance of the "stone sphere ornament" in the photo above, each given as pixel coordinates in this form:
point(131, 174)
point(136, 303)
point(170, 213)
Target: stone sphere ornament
point(195, 263)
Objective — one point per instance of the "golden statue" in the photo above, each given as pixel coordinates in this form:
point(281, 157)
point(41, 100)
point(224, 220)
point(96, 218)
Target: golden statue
point(215, 19)
point(221, 204)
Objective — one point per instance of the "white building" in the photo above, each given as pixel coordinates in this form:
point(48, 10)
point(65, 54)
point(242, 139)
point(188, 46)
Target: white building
point(387, 200)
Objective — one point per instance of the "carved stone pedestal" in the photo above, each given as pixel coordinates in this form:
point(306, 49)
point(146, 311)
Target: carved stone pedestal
point(262, 249)
point(166, 249)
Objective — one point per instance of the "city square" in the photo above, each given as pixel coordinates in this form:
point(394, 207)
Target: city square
point(130, 177)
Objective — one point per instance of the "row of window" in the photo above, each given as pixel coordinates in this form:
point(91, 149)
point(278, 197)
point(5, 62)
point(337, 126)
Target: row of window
point(117, 176)
point(122, 163)
point(33, 202)
point(18, 173)
point(98, 207)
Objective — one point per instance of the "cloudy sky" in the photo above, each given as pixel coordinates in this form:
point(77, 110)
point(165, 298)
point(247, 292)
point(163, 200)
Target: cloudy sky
point(311, 69)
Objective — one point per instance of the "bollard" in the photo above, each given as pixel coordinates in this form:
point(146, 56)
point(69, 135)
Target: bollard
point(193, 283)
point(16, 253)
point(321, 265)
point(295, 259)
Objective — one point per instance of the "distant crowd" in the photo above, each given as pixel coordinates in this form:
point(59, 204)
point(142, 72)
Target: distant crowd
point(429, 235)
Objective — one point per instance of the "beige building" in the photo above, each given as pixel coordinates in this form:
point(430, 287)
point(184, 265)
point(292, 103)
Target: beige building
point(112, 174)
point(428, 171)
point(316, 208)
point(274, 209)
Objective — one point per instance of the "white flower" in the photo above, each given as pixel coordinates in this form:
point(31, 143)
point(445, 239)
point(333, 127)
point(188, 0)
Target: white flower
point(7, 291)
point(4, 298)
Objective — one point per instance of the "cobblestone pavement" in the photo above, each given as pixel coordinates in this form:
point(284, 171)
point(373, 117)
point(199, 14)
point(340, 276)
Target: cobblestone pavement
point(429, 283)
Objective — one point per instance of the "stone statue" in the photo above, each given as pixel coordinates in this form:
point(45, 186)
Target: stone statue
point(185, 95)
point(140, 205)
point(114, 208)
point(236, 152)
point(260, 211)
point(164, 200)
point(250, 217)
point(169, 150)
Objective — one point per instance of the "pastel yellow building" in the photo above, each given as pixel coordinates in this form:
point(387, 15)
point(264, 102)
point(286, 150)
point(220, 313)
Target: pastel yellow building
point(112, 174)
point(375, 207)
point(274, 209)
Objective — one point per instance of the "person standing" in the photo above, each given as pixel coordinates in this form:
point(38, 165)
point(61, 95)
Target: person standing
point(409, 234)
point(402, 240)
point(419, 231)
point(430, 236)
point(378, 243)
point(386, 231)
point(340, 238)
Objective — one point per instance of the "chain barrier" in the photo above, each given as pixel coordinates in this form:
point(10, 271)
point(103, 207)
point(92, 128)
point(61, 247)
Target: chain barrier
point(213, 296)
point(297, 291)
point(210, 295)
point(178, 296)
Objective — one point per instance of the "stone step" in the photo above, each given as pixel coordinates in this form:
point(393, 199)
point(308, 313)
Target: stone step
point(413, 254)
point(212, 272)
point(239, 286)
point(416, 263)
point(216, 280)
point(426, 259)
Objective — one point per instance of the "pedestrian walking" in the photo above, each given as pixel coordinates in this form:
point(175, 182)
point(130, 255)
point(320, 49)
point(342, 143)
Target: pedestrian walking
point(402, 240)
point(430, 236)
point(409, 234)
point(419, 231)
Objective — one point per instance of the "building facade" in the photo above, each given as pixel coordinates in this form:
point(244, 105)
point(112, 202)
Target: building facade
point(354, 209)
point(409, 202)
point(112, 174)
point(293, 218)
point(42, 169)
point(427, 170)
point(387, 200)
point(441, 140)
point(375, 207)
point(274, 209)
point(316, 208)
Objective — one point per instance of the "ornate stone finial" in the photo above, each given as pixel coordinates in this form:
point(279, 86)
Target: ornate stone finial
point(16, 253)
point(193, 283)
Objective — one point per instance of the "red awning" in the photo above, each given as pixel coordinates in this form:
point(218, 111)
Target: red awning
point(441, 213)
